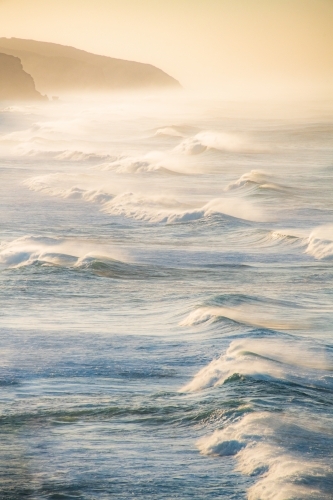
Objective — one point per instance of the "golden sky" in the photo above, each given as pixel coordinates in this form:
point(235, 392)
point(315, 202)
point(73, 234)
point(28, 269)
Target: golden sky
point(233, 46)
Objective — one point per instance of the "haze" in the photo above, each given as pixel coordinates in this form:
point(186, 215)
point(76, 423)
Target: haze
point(238, 48)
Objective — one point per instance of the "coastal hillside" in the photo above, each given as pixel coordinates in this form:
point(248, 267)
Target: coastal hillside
point(58, 69)
point(15, 83)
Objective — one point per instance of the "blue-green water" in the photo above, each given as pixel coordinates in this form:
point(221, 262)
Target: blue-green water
point(166, 300)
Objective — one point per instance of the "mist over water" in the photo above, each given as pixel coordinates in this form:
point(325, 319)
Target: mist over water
point(166, 288)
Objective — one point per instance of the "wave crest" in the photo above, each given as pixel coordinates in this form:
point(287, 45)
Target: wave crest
point(267, 359)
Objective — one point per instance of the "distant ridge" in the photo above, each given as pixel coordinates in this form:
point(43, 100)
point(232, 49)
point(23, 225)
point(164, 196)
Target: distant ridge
point(15, 83)
point(58, 69)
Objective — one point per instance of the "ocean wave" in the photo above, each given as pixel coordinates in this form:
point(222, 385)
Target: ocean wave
point(43, 130)
point(278, 451)
point(38, 153)
point(267, 359)
point(24, 109)
point(175, 130)
point(169, 210)
point(170, 131)
point(56, 185)
point(66, 155)
point(294, 237)
point(257, 179)
point(156, 208)
point(150, 208)
point(320, 242)
point(249, 311)
point(80, 156)
point(245, 315)
point(152, 162)
point(29, 250)
point(219, 141)
point(111, 268)
point(263, 238)
point(80, 256)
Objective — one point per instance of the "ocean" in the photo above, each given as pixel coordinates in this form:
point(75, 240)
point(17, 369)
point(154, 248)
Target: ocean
point(166, 299)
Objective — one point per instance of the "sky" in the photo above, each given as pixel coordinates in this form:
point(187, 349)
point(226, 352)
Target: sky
point(235, 47)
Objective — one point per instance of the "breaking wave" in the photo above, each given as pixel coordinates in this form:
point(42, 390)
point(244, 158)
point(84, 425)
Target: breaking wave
point(278, 451)
point(176, 130)
point(245, 315)
point(320, 242)
point(152, 162)
point(267, 359)
point(80, 156)
point(169, 210)
point(220, 141)
point(101, 260)
point(252, 311)
point(153, 208)
point(56, 185)
point(257, 179)
point(29, 250)
point(263, 238)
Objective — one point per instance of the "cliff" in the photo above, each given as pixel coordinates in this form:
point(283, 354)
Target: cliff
point(15, 83)
point(57, 69)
